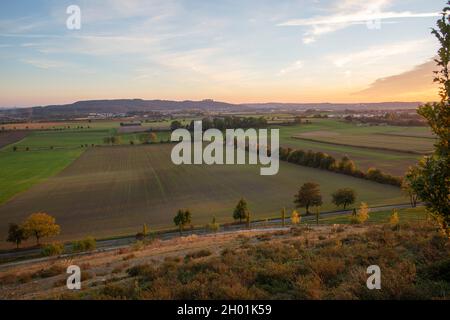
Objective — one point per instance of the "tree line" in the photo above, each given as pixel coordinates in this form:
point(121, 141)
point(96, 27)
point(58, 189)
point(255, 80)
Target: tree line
point(321, 160)
point(308, 196)
point(224, 123)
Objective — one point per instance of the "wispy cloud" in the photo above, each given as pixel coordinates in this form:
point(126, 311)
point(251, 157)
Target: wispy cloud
point(297, 65)
point(45, 63)
point(376, 54)
point(349, 13)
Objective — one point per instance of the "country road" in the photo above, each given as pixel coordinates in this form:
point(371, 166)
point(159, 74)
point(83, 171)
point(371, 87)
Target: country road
point(113, 244)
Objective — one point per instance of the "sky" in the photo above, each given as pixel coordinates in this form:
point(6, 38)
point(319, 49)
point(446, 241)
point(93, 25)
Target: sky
point(237, 51)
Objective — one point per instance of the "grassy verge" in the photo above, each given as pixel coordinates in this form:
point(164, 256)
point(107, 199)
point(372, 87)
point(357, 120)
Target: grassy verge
point(405, 215)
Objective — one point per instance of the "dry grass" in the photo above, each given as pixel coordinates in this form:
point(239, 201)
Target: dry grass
point(306, 263)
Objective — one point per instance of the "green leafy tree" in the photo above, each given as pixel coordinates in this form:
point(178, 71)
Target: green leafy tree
point(144, 138)
point(16, 234)
point(241, 212)
point(408, 185)
point(40, 225)
point(308, 196)
point(344, 197)
point(107, 140)
point(183, 218)
point(116, 140)
point(176, 125)
point(432, 180)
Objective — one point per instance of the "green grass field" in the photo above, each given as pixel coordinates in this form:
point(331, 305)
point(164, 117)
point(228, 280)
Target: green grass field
point(22, 169)
point(48, 153)
point(114, 190)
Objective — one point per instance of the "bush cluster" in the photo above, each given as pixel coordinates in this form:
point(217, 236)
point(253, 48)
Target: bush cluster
point(53, 249)
point(87, 244)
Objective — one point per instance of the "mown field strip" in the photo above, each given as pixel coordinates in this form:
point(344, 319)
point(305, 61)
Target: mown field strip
point(363, 146)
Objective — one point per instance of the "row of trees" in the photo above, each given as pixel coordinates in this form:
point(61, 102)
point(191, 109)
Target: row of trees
point(147, 138)
point(308, 196)
point(38, 225)
point(144, 138)
point(112, 140)
point(321, 160)
point(224, 123)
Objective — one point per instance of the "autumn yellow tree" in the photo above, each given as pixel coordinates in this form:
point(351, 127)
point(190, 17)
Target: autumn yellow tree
point(394, 220)
point(363, 213)
point(40, 225)
point(153, 137)
point(295, 217)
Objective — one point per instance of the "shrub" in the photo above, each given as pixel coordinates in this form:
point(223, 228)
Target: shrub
point(53, 271)
point(87, 244)
point(362, 215)
point(129, 257)
point(140, 236)
point(145, 271)
point(118, 269)
point(138, 245)
point(394, 220)
point(439, 271)
point(53, 249)
point(198, 254)
point(213, 226)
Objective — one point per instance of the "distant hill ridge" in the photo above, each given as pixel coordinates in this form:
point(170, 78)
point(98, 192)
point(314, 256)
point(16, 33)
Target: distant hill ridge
point(82, 108)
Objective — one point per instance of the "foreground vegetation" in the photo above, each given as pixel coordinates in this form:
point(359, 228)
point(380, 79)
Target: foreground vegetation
point(300, 264)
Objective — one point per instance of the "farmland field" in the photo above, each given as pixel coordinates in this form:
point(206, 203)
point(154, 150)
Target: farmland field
point(11, 137)
point(42, 154)
point(114, 190)
point(48, 153)
point(414, 145)
point(89, 124)
point(339, 138)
